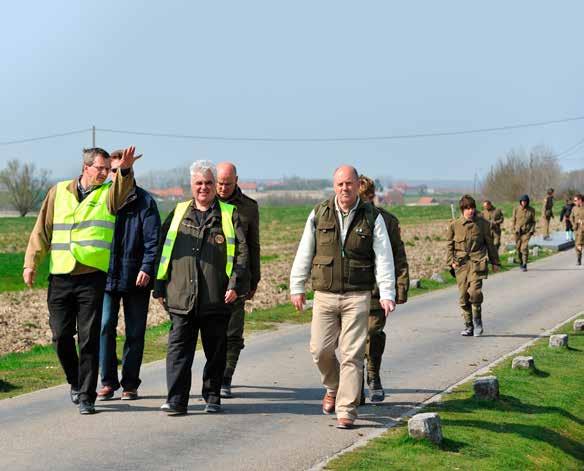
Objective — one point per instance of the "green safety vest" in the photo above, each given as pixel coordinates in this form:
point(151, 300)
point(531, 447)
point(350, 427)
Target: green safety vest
point(179, 213)
point(82, 231)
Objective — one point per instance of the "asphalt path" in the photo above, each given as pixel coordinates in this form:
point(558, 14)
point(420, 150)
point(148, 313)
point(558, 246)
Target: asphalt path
point(275, 421)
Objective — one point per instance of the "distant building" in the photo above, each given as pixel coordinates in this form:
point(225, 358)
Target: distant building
point(391, 197)
point(427, 201)
point(174, 193)
point(249, 187)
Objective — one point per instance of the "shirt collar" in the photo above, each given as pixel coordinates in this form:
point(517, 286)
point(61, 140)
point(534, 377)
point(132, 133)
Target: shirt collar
point(353, 208)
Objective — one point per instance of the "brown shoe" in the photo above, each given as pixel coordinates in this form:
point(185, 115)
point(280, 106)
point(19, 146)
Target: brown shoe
point(345, 423)
point(105, 393)
point(328, 404)
point(129, 394)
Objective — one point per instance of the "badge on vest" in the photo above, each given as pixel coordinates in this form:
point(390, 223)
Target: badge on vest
point(219, 239)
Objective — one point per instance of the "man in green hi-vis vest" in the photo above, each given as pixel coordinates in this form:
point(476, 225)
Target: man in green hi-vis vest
point(75, 227)
point(202, 270)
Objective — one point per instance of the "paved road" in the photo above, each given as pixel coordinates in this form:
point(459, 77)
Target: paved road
point(275, 423)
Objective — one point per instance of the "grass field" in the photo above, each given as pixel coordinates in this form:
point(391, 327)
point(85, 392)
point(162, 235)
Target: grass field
point(538, 423)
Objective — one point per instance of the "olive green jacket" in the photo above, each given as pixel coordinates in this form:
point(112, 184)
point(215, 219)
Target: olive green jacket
point(524, 220)
point(495, 218)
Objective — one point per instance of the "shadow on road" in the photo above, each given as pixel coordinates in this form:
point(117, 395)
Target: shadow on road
point(515, 336)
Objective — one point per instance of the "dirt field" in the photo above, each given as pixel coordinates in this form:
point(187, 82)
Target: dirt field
point(24, 315)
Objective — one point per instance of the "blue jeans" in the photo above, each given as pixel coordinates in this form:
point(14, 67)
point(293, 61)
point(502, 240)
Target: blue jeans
point(135, 314)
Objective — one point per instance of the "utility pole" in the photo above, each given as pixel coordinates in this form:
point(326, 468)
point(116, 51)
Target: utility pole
point(92, 136)
point(475, 185)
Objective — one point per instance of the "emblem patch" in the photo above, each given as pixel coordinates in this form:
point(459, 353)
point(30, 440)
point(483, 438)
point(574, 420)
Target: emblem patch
point(219, 239)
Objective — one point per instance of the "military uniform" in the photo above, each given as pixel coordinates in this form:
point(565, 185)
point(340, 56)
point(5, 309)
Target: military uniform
point(523, 228)
point(577, 218)
point(376, 337)
point(494, 217)
point(250, 222)
point(470, 247)
point(547, 214)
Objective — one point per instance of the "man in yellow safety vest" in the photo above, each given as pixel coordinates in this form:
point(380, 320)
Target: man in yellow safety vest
point(202, 270)
point(75, 226)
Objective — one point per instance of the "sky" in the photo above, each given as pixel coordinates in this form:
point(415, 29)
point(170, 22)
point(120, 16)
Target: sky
point(302, 69)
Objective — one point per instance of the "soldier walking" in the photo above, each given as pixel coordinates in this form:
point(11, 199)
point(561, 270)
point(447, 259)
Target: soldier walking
point(547, 213)
point(523, 228)
point(577, 218)
point(469, 249)
point(565, 216)
point(376, 337)
point(494, 216)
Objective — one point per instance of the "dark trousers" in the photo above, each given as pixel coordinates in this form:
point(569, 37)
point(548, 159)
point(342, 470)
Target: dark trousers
point(235, 341)
point(135, 314)
point(75, 305)
point(182, 340)
point(375, 343)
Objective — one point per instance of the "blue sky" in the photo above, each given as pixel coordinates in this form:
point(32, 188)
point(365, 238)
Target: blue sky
point(292, 69)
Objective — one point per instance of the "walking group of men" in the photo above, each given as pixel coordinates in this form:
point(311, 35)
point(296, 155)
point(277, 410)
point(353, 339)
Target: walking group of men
point(107, 246)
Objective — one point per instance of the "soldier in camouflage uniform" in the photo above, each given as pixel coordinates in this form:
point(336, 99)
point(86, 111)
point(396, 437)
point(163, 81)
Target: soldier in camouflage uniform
point(547, 213)
point(577, 218)
point(376, 336)
point(494, 217)
point(469, 249)
point(523, 228)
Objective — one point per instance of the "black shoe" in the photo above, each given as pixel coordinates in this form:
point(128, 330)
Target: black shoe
point(74, 393)
point(376, 392)
point(468, 332)
point(173, 409)
point(86, 407)
point(523, 267)
point(213, 408)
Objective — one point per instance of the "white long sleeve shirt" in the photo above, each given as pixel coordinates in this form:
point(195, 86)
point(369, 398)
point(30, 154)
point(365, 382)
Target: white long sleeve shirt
point(384, 265)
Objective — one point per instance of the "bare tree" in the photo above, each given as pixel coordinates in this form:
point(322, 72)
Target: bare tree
point(25, 185)
point(519, 172)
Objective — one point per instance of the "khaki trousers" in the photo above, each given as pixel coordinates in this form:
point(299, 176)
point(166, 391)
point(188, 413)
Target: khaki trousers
point(340, 320)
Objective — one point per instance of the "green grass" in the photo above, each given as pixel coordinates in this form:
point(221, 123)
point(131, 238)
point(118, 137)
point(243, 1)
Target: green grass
point(11, 272)
point(538, 423)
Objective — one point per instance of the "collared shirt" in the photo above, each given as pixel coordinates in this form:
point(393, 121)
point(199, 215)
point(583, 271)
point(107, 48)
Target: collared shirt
point(384, 264)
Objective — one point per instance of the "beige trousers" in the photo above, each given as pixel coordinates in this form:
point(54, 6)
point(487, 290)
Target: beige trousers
point(340, 320)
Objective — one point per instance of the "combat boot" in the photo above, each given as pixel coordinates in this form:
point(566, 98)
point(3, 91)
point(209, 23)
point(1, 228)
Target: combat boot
point(579, 261)
point(226, 388)
point(376, 392)
point(468, 331)
point(467, 317)
point(477, 320)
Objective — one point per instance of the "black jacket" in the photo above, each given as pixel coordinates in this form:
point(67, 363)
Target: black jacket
point(135, 241)
point(196, 275)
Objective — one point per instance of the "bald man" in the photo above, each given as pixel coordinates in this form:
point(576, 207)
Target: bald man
point(228, 191)
point(346, 248)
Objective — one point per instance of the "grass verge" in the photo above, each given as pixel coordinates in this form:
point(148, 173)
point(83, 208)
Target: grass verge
point(39, 368)
point(538, 422)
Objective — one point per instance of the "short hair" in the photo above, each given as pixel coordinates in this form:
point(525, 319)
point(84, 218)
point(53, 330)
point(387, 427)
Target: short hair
point(550, 191)
point(467, 202)
point(579, 196)
point(117, 154)
point(487, 201)
point(366, 186)
point(91, 153)
point(204, 166)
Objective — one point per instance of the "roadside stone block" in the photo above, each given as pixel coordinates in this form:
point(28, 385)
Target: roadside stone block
point(437, 277)
point(523, 363)
point(415, 283)
point(486, 388)
point(578, 325)
point(535, 251)
point(426, 426)
point(510, 260)
point(558, 341)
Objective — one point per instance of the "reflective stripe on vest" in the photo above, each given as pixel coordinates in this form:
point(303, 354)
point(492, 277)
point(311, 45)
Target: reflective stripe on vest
point(179, 214)
point(82, 231)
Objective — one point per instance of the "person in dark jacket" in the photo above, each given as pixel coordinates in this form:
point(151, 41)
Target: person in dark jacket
point(565, 216)
point(129, 280)
point(229, 191)
point(202, 271)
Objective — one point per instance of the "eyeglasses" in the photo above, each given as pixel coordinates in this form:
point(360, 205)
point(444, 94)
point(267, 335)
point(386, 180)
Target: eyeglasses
point(101, 169)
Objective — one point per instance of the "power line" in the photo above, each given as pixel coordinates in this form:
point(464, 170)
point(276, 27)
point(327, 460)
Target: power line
point(41, 138)
point(343, 139)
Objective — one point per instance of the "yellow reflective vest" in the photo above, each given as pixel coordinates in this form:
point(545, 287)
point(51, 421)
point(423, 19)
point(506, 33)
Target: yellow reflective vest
point(179, 214)
point(82, 231)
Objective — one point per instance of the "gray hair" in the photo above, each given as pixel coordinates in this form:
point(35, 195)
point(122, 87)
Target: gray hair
point(204, 166)
point(91, 153)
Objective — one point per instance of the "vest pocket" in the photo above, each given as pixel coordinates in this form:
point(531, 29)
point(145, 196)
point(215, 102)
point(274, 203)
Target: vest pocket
point(361, 272)
point(325, 233)
point(480, 268)
point(322, 272)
